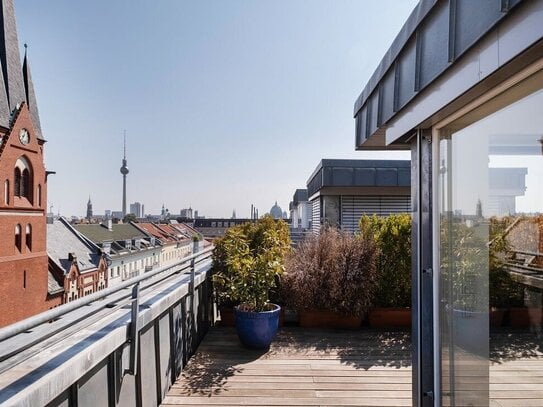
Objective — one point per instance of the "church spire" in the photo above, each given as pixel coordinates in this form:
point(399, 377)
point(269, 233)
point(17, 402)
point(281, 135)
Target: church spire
point(10, 58)
point(31, 96)
point(89, 209)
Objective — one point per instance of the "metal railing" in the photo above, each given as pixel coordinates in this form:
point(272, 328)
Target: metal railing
point(44, 317)
point(145, 328)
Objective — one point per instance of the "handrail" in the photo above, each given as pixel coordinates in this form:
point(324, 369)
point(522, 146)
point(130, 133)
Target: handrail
point(29, 323)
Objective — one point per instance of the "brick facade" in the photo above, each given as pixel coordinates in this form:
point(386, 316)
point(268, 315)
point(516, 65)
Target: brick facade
point(23, 273)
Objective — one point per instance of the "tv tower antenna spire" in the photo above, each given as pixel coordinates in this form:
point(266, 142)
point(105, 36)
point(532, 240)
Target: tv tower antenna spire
point(124, 171)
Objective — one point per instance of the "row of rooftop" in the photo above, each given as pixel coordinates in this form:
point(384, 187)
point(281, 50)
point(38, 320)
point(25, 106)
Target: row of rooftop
point(86, 258)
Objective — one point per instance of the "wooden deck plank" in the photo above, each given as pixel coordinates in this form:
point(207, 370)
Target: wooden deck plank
point(281, 401)
point(337, 368)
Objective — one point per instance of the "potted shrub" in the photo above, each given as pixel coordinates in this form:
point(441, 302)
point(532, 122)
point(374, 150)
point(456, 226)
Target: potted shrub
point(465, 272)
point(393, 296)
point(330, 279)
point(505, 294)
point(248, 261)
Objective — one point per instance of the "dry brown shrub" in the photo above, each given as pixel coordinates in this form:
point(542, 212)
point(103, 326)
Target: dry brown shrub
point(333, 271)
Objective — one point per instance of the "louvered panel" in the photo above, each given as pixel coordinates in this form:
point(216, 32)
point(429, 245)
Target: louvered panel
point(315, 215)
point(353, 207)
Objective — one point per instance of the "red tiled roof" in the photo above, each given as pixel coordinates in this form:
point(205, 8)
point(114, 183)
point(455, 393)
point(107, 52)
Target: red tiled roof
point(157, 232)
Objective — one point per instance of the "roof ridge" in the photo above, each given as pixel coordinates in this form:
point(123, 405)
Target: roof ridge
point(80, 236)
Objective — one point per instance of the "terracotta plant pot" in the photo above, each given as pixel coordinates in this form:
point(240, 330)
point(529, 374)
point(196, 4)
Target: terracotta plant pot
point(227, 316)
point(390, 317)
point(496, 317)
point(525, 317)
point(328, 319)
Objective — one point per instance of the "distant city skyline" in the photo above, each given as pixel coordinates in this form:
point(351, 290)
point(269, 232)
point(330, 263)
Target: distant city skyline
point(225, 104)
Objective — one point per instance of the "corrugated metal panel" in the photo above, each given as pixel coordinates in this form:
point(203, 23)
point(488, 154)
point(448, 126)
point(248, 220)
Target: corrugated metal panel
point(316, 215)
point(353, 207)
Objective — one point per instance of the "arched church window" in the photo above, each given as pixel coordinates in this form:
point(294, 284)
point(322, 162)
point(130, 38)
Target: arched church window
point(18, 238)
point(6, 192)
point(28, 239)
point(17, 182)
point(25, 183)
point(23, 179)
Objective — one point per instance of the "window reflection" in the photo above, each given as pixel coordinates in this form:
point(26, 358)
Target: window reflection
point(491, 253)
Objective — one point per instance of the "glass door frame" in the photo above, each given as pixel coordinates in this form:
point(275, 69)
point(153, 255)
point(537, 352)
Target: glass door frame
point(505, 91)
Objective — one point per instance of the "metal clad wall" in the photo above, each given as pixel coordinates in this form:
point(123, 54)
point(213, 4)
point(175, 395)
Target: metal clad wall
point(177, 342)
point(353, 207)
point(472, 19)
point(387, 97)
point(164, 338)
point(61, 401)
point(316, 215)
point(373, 112)
point(93, 389)
point(125, 395)
point(434, 40)
point(315, 183)
point(435, 35)
point(148, 368)
point(361, 131)
point(406, 75)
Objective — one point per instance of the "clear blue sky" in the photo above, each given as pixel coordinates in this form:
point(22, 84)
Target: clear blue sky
point(225, 103)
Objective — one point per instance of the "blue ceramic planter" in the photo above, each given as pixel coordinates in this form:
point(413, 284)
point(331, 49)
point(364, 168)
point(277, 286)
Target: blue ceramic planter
point(257, 329)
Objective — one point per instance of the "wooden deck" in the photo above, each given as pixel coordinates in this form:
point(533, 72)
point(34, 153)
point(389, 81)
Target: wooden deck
point(306, 367)
point(302, 368)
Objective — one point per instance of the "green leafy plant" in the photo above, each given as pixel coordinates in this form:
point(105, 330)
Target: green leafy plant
point(130, 217)
point(392, 235)
point(248, 262)
point(332, 271)
point(465, 263)
point(504, 292)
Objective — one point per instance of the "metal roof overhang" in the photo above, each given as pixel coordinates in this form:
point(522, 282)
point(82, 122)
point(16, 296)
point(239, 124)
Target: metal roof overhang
point(447, 54)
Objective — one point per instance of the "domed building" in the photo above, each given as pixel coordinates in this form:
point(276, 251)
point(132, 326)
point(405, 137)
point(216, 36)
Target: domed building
point(276, 212)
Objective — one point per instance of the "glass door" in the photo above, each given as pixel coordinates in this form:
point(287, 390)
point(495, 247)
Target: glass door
point(489, 223)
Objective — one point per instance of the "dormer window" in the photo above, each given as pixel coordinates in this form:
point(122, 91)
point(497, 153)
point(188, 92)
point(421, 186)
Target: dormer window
point(128, 244)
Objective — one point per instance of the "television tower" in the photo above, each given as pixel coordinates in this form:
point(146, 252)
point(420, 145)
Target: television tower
point(124, 171)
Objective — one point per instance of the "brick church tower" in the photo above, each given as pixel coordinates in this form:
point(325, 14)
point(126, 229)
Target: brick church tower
point(23, 185)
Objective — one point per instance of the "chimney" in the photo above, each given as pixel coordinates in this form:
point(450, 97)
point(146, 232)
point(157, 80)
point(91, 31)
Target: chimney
point(106, 248)
point(72, 257)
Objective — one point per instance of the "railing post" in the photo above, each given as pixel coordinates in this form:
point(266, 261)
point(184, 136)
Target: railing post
point(134, 331)
point(193, 309)
point(192, 285)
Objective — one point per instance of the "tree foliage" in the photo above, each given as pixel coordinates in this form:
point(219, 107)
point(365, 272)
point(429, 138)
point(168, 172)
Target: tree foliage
point(129, 217)
point(392, 235)
point(248, 261)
